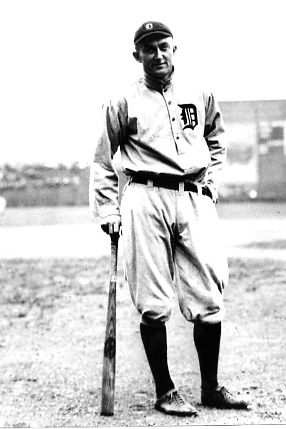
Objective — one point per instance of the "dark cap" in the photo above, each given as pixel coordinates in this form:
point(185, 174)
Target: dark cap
point(149, 28)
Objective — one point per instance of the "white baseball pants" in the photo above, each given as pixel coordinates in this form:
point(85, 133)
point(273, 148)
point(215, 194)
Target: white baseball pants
point(173, 245)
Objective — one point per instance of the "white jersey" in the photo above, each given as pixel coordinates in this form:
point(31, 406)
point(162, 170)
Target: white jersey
point(172, 130)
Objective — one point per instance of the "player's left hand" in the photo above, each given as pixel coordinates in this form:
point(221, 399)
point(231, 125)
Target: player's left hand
point(212, 192)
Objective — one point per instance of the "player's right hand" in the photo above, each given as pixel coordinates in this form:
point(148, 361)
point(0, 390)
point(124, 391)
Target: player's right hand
point(111, 224)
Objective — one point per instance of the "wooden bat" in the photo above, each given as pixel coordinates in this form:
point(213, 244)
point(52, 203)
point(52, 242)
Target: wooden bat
point(109, 355)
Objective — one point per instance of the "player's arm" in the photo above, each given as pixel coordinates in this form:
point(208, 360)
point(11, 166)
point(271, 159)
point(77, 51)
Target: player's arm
point(214, 136)
point(104, 180)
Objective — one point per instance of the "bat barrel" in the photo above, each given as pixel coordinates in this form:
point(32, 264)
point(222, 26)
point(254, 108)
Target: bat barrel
point(109, 354)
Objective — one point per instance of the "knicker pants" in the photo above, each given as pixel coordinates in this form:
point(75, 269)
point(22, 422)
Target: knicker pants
point(173, 245)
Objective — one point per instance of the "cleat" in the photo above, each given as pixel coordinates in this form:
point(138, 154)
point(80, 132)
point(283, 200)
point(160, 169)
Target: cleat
point(173, 403)
point(223, 399)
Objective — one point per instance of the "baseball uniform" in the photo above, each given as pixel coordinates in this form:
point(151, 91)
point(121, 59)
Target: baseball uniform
point(172, 239)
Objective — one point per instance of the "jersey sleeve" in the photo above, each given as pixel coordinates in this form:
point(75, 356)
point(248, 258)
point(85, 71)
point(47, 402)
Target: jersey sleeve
point(103, 177)
point(214, 136)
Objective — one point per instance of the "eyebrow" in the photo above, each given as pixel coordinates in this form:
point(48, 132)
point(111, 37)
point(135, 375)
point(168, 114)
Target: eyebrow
point(162, 44)
point(165, 44)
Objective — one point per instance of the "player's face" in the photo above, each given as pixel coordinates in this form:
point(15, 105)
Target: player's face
point(156, 55)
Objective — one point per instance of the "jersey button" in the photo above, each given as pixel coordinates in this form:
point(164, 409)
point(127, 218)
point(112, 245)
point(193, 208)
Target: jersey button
point(169, 102)
point(173, 119)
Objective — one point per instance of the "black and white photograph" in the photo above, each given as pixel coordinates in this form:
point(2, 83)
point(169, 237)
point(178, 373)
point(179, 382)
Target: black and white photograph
point(142, 213)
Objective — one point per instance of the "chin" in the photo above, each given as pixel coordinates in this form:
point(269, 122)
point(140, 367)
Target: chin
point(160, 74)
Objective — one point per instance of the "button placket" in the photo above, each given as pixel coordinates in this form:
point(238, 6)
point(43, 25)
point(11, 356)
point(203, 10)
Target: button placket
point(171, 106)
point(176, 129)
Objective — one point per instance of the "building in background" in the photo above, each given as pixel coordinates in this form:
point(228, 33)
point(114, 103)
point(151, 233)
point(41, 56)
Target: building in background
point(255, 167)
point(256, 159)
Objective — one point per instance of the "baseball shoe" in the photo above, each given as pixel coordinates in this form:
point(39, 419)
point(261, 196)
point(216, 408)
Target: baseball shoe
point(220, 397)
point(173, 403)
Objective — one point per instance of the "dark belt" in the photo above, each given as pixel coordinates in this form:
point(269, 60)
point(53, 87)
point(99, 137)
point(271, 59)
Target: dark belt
point(170, 182)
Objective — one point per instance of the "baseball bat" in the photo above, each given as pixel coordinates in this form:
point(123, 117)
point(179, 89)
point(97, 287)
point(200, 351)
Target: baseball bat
point(109, 353)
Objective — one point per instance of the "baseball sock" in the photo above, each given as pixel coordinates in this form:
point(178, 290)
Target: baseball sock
point(207, 342)
point(155, 343)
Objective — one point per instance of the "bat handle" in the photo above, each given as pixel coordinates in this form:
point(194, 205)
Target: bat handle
point(114, 256)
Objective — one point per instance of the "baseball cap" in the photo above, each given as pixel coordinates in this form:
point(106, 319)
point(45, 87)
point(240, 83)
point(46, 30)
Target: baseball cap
point(149, 28)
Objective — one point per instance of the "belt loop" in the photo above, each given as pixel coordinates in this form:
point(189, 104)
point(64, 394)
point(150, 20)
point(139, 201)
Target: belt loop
point(199, 190)
point(181, 188)
point(150, 183)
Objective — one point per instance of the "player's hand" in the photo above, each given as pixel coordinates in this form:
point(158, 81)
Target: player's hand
point(111, 224)
point(212, 193)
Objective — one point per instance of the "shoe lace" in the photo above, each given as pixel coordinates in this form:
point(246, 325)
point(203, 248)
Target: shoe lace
point(176, 397)
point(226, 393)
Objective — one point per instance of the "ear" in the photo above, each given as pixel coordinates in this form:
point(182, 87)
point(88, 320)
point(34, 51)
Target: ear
point(137, 56)
point(174, 49)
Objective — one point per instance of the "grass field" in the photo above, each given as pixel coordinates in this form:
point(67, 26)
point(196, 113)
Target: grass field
point(53, 321)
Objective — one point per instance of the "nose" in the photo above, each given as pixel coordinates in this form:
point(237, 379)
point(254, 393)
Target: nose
point(158, 53)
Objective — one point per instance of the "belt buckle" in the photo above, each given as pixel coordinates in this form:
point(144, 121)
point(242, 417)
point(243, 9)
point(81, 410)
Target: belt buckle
point(181, 188)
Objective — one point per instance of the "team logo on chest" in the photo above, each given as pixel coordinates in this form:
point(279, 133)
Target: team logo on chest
point(189, 115)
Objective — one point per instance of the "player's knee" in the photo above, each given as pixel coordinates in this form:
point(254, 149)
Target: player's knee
point(155, 318)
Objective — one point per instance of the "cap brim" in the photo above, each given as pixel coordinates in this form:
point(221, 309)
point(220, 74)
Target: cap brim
point(144, 36)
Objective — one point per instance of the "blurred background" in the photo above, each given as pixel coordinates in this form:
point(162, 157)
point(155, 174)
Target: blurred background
point(61, 58)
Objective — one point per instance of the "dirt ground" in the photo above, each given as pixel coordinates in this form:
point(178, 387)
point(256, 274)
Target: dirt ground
point(52, 327)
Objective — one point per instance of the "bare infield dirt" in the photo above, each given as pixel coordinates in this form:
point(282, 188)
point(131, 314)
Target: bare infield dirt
point(52, 322)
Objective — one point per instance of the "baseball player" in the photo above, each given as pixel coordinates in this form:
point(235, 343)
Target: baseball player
point(169, 135)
